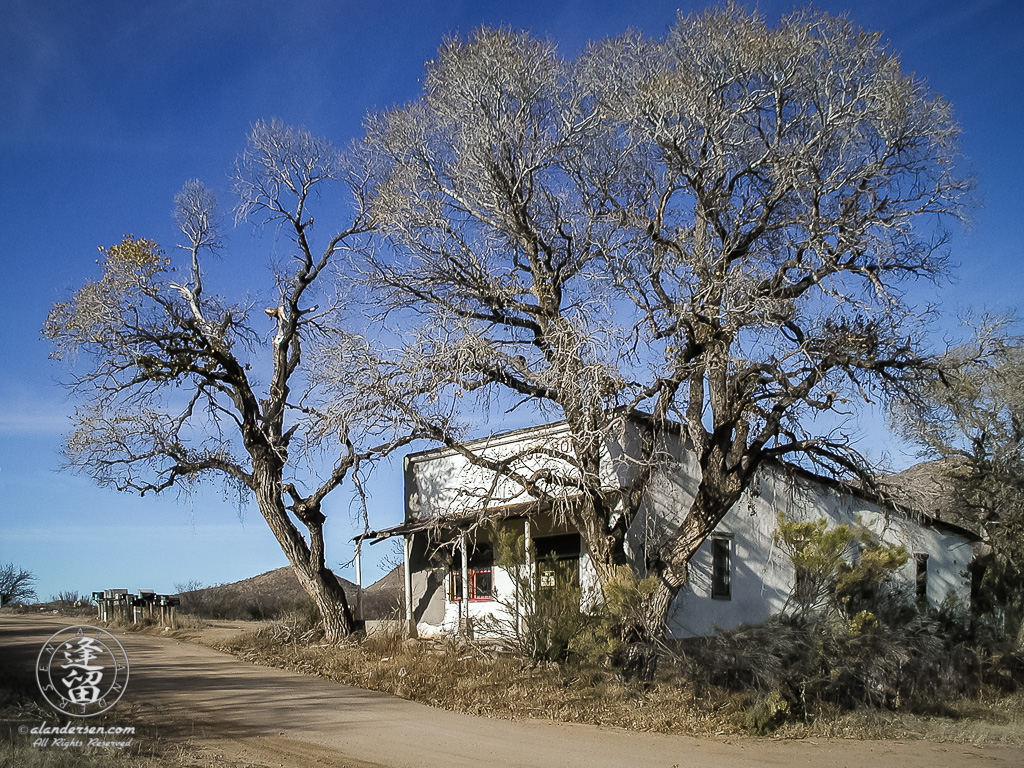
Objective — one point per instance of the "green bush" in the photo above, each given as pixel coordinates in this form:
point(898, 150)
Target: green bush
point(768, 713)
point(829, 578)
point(549, 615)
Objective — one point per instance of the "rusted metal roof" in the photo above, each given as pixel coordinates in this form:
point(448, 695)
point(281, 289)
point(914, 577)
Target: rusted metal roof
point(470, 519)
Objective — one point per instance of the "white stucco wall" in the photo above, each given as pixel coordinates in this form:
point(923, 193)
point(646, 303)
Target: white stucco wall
point(762, 576)
point(445, 483)
point(499, 608)
point(504, 590)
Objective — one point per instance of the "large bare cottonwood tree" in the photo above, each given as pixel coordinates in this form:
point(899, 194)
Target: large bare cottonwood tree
point(713, 229)
point(178, 385)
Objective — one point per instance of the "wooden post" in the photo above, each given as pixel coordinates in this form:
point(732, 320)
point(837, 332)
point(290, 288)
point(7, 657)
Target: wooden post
point(528, 560)
point(146, 597)
point(410, 621)
point(359, 578)
point(172, 603)
point(466, 623)
point(119, 604)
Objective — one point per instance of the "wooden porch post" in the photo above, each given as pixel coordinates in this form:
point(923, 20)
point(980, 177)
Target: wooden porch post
point(410, 622)
point(466, 626)
point(528, 559)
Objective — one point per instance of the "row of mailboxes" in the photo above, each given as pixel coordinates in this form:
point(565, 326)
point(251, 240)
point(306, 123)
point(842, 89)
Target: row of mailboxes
point(112, 603)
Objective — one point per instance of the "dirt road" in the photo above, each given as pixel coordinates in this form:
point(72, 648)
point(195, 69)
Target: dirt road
point(244, 715)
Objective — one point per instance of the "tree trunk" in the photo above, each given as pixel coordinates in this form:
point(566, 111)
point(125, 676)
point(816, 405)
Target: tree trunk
point(670, 567)
point(1018, 643)
point(709, 506)
point(657, 607)
point(644, 630)
point(315, 577)
point(330, 600)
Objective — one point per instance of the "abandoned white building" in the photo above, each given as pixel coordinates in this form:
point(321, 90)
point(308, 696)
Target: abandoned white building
point(739, 576)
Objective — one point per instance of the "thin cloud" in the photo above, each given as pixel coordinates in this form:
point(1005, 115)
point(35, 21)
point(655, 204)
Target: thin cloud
point(31, 422)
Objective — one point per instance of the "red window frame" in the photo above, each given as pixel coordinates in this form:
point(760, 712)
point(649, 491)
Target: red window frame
point(456, 585)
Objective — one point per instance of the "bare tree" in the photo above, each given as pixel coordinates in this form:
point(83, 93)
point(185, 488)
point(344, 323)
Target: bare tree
point(15, 584)
point(710, 230)
point(170, 385)
point(968, 415)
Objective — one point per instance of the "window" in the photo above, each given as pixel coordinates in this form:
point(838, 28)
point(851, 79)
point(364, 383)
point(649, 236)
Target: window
point(558, 562)
point(921, 578)
point(721, 555)
point(481, 577)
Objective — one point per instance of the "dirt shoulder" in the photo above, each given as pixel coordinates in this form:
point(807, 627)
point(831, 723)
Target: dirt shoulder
point(237, 714)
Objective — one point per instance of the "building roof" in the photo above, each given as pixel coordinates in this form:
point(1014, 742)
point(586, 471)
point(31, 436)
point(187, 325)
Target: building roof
point(464, 521)
point(499, 438)
point(927, 488)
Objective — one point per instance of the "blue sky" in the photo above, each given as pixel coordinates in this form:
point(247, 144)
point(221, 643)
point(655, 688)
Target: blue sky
point(106, 108)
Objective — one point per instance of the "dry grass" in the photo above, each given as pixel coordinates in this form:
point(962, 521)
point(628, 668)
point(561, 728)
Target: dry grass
point(993, 721)
point(152, 625)
point(453, 674)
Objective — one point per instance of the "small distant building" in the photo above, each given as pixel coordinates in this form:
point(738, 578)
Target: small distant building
point(739, 576)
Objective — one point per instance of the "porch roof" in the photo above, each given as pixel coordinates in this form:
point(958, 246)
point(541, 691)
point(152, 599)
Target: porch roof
point(468, 520)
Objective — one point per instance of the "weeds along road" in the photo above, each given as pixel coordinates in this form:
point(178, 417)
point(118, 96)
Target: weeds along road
point(240, 714)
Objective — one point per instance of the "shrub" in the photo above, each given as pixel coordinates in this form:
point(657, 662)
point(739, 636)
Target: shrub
point(225, 603)
point(543, 621)
point(846, 639)
point(72, 599)
point(767, 714)
point(550, 617)
point(893, 657)
point(829, 578)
